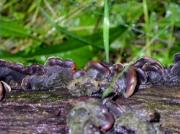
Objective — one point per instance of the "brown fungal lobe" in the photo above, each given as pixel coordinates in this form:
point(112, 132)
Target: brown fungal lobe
point(131, 82)
point(4, 88)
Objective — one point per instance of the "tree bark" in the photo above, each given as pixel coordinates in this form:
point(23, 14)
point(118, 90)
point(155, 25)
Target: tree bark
point(164, 101)
point(45, 112)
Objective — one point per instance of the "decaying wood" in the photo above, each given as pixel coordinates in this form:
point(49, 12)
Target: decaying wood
point(34, 112)
point(45, 112)
point(164, 101)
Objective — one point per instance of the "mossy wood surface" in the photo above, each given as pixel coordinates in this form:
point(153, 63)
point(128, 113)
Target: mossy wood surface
point(45, 112)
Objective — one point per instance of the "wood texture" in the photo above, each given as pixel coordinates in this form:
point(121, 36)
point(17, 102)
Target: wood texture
point(45, 112)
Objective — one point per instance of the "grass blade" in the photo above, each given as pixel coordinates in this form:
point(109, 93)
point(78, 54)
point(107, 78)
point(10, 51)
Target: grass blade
point(62, 29)
point(106, 29)
point(70, 44)
point(10, 28)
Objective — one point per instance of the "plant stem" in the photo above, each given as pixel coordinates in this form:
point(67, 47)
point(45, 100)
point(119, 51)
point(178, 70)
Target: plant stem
point(146, 26)
point(106, 29)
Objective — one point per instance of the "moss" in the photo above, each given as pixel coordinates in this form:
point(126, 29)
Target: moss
point(37, 96)
point(130, 122)
point(161, 106)
point(84, 116)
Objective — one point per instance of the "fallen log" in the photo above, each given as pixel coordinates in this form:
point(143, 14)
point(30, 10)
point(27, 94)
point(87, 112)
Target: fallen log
point(46, 112)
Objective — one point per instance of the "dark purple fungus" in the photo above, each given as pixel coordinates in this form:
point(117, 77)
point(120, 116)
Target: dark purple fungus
point(114, 108)
point(11, 73)
point(55, 77)
point(143, 62)
point(177, 58)
point(116, 68)
point(53, 61)
point(92, 81)
point(126, 84)
point(34, 69)
point(70, 64)
point(79, 74)
point(131, 82)
point(61, 63)
point(176, 69)
point(142, 76)
point(97, 70)
point(106, 115)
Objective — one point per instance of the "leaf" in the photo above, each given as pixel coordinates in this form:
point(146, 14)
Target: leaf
point(95, 40)
point(62, 29)
point(129, 11)
point(172, 14)
point(106, 29)
point(80, 56)
point(10, 28)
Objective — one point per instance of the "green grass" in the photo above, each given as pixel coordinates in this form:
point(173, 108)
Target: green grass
point(104, 30)
point(146, 27)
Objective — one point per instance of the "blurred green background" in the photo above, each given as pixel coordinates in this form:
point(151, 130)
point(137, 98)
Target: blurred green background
point(32, 30)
